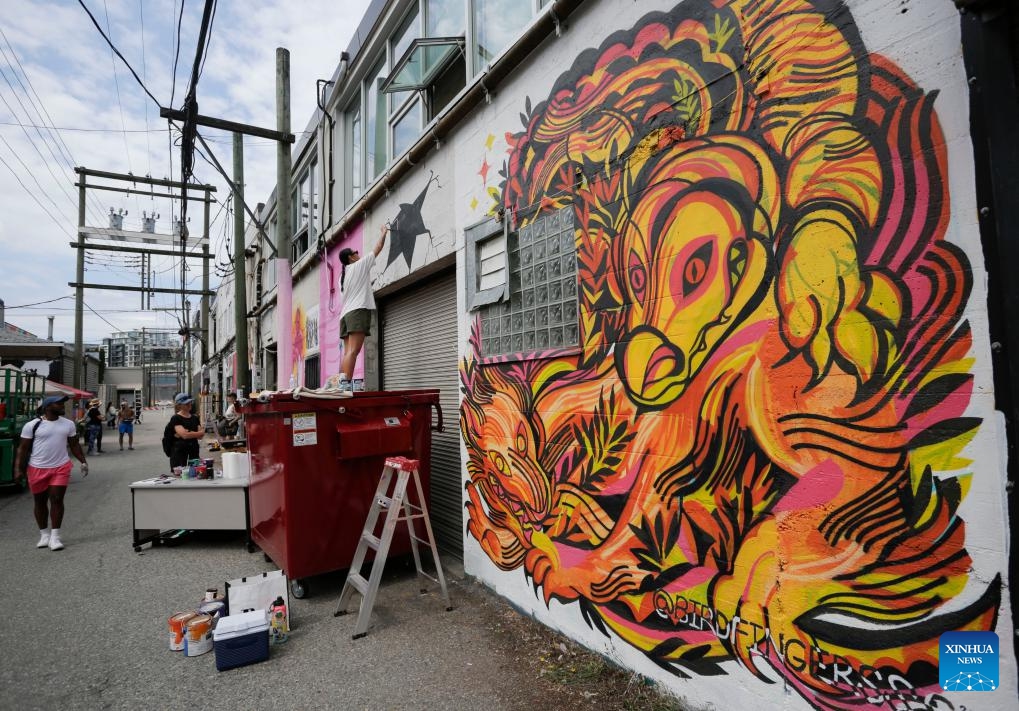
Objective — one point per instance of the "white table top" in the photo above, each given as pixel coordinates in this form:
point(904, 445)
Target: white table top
point(175, 483)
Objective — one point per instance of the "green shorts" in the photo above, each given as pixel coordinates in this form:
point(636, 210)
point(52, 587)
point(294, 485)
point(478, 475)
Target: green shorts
point(357, 321)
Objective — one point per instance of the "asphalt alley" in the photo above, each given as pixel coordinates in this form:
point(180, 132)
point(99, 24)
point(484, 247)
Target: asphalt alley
point(86, 627)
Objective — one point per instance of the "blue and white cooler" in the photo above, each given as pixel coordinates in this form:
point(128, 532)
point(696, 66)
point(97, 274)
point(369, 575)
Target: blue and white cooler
point(241, 639)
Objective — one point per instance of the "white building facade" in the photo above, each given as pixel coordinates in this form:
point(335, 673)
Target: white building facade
point(704, 284)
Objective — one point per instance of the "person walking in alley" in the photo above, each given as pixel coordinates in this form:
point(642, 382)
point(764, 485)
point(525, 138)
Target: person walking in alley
point(358, 304)
point(94, 426)
point(111, 415)
point(186, 429)
point(42, 456)
point(125, 418)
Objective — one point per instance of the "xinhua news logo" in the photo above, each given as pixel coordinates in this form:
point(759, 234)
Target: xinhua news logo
point(968, 661)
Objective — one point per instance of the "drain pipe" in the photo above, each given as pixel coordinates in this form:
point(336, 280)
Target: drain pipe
point(549, 22)
point(319, 85)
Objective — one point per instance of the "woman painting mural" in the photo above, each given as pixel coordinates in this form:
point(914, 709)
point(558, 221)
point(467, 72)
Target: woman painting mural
point(358, 304)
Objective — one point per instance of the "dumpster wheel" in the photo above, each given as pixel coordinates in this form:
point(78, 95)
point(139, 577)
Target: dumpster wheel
point(299, 589)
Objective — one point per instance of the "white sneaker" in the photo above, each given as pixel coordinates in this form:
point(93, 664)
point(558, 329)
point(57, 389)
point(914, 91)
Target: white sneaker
point(44, 538)
point(55, 543)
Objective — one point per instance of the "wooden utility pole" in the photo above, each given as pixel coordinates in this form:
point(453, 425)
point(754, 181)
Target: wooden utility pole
point(242, 372)
point(206, 297)
point(79, 295)
point(284, 225)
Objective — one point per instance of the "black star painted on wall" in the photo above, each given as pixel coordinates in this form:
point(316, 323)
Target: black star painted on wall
point(407, 226)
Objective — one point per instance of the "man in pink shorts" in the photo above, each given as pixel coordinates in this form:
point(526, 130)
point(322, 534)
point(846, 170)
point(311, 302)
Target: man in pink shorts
point(47, 439)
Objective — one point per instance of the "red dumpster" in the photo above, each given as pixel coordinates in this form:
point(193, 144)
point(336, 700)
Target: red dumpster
point(315, 463)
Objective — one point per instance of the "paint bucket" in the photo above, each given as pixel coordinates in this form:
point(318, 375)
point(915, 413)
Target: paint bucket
point(198, 635)
point(177, 624)
point(214, 609)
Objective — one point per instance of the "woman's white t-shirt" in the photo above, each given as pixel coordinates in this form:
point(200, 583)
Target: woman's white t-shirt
point(50, 448)
point(356, 286)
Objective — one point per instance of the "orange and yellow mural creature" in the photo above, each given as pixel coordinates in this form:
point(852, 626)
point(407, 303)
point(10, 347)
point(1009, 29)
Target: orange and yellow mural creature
point(755, 452)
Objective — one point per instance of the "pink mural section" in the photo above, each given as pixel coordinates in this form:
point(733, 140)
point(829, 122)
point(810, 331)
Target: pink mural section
point(284, 299)
point(331, 301)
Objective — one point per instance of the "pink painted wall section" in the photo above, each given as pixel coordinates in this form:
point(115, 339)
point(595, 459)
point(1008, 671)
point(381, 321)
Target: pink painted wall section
point(331, 301)
point(284, 298)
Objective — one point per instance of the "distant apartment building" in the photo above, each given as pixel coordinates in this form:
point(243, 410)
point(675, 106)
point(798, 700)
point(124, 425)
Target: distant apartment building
point(132, 349)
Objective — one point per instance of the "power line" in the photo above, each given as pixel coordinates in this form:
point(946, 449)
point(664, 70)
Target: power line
point(255, 141)
point(31, 174)
point(32, 195)
point(148, 143)
point(176, 52)
point(41, 111)
point(120, 104)
point(35, 146)
point(117, 52)
point(115, 328)
point(71, 308)
point(188, 133)
point(39, 303)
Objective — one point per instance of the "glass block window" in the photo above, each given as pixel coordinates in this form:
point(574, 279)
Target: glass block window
point(541, 312)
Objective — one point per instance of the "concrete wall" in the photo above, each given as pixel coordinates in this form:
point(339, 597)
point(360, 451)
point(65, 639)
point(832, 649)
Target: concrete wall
point(124, 378)
point(770, 473)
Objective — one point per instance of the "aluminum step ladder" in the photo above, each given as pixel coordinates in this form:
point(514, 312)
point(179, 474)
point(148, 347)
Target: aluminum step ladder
point(398, 508)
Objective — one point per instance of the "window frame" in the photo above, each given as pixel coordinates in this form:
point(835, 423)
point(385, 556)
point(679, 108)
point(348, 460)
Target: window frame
point(541, 259)
point(475, 64)
point(488, 231)
point(353, 161)
point(303, 237)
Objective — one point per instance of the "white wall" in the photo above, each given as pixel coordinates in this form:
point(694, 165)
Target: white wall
point(922, 39)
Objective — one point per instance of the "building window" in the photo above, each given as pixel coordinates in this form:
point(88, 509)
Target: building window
point(496, 24)
point(422, 68)
point(353, 180)
point(444, 18)
point(407, 128)
point(311, 374)
point(304, 211)
point(409, 31)
point(375, 122)
point(541, 311)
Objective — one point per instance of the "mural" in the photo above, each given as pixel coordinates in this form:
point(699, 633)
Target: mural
point(304, 340)
point(756, 456)
point(407, 226)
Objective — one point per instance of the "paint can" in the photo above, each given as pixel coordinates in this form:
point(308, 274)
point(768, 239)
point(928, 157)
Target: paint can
point(198, 635)
point(214, 609)
point(177, 625)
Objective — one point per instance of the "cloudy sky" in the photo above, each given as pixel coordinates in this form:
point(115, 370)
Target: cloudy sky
point(66, 101)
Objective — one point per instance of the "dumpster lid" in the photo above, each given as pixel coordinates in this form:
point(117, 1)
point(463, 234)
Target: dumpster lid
point(331, 397)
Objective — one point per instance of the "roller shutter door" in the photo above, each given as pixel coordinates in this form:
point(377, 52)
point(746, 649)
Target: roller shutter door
point(418, 334)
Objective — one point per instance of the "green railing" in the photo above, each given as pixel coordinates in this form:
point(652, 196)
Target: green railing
point(20, 394)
